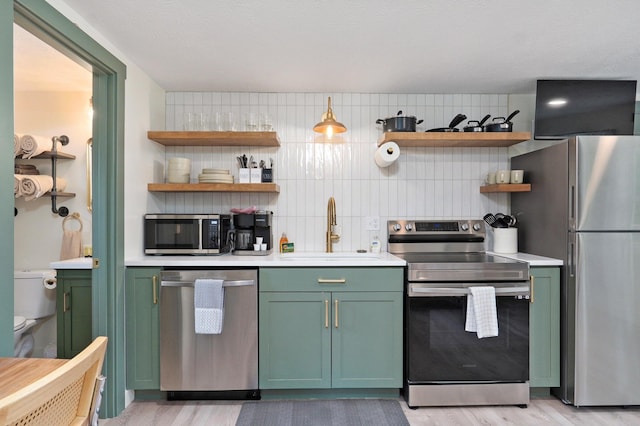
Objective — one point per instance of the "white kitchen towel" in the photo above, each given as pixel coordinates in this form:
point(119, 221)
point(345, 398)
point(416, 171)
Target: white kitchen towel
point(32, 145)
point(35, 186)
point(482, 315)
point(208, 301)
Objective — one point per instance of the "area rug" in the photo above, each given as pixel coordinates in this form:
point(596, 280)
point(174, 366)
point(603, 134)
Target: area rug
point(341, 412)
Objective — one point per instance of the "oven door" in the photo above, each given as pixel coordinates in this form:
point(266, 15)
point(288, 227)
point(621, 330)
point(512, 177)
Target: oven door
point(439, 349)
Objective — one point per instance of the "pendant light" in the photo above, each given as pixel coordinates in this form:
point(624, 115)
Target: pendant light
point(328, 125)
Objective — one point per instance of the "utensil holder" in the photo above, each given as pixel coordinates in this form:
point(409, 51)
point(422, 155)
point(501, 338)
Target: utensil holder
point(244, 176)
point(267, 175)
point(505, 240)
point(256, 175)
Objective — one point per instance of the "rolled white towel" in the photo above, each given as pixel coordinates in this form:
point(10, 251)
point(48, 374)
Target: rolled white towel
point(16, 145)
point(35, 186)
point(17, 179)
point(33, 145)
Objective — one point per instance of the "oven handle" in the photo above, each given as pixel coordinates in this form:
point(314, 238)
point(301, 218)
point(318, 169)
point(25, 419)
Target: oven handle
point(446, 291)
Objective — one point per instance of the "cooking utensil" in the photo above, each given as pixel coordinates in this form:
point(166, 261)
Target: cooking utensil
point(459, 118)
point(476, 126)
point(399, 123)
point(500, 124)
point(509, 220)
point(494, 221)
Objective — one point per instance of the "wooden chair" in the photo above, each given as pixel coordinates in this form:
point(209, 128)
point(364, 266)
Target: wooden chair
point(63, 397)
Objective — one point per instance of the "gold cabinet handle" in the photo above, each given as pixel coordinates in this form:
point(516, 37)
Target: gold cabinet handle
point(65, 306)
point(532, 280)
point(326, 313)
point(335, 302)
point(154, 280)
point(332, 281)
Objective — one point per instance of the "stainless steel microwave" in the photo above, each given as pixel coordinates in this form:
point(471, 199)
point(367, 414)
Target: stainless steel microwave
point(180, 234)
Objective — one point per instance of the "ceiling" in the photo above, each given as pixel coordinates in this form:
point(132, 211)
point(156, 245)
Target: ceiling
point(370, 46)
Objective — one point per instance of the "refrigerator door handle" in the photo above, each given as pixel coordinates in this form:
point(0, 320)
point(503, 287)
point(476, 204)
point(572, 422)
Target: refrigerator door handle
point(572, 253)
point(573, 204)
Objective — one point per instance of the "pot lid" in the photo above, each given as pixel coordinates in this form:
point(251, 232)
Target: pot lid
point(18, 323)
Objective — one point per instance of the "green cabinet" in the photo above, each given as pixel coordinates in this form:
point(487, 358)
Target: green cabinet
point(142, 324)
point(544, 328)
point(323, 328)
point(73, 308)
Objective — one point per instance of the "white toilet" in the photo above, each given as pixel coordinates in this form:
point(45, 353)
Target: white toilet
point(34, 300)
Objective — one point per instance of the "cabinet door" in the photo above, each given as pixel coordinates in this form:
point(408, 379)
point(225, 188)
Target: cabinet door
point(74, 311)
point(294, 336)
point(544, 328)
point(366, 339)
point(142, 317)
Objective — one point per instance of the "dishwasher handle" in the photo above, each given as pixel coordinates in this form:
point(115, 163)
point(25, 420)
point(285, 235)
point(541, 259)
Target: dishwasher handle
point(225, 283)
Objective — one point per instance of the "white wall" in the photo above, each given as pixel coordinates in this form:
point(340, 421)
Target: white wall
point(38, 231)
point(430, 183)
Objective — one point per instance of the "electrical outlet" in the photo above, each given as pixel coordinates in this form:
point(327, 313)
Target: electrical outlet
point(372, 223)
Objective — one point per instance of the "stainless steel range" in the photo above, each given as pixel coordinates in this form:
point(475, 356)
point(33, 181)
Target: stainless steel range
point(444, 364)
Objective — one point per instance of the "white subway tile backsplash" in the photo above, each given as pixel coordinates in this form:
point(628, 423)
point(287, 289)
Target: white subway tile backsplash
point(425, 182)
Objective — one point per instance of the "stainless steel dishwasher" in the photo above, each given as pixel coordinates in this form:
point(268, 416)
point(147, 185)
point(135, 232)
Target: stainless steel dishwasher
point(203, 366)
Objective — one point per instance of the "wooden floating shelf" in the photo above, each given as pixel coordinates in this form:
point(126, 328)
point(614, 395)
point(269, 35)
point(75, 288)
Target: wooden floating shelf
point(455, 139)
point(171, 138)
point(506, 187)
point(213, 187)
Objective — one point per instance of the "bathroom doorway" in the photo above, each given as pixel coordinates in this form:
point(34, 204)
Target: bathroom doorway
point(108, 75)
point(52, 97)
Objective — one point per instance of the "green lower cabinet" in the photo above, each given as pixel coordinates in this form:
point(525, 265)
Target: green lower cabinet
point(142, 324)
point(544, 328)
point(331, 333)
point(74, 313)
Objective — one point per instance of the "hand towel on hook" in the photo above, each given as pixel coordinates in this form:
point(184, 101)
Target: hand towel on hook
point(71, 239)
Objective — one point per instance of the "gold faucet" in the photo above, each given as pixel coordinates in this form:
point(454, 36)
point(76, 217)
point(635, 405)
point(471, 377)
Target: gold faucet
point(331, 223)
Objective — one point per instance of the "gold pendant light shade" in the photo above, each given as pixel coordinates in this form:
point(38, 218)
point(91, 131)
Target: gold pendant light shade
point(329, 125)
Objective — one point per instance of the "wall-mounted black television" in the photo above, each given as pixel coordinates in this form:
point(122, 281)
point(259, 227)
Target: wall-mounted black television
point(584, 107)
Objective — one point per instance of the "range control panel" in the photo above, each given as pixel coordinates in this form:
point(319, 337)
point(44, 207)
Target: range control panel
point(437, 227)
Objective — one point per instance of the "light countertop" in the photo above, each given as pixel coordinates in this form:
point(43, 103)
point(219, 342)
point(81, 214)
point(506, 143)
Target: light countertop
point(532, 259)
point(297, 259)
point(77, 263)
point(273, 260)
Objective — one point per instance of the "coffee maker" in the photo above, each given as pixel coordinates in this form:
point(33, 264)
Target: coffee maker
point(248, 230)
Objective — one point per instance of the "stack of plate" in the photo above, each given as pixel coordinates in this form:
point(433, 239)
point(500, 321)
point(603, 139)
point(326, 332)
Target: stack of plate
point(215, 176)
point(179, 170)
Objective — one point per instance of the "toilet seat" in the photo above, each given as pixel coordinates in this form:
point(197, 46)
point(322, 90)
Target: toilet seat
point(19, 323)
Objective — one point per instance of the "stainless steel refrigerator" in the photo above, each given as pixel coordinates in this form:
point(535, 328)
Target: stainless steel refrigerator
point(584, 208)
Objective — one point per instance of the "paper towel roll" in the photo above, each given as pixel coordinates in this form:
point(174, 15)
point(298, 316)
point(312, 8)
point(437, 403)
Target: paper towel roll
point(387, 154)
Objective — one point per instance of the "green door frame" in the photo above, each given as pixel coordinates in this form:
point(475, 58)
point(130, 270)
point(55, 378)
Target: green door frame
point(41, 19)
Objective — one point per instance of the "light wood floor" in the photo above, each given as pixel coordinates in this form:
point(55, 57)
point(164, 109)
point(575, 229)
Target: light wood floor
point(541, 411)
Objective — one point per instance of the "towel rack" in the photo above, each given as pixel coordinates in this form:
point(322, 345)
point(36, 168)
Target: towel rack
point(74, 215)
point(64, 140)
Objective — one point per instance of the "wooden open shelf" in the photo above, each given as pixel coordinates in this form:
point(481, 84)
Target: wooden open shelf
point(506, 187)
point(455, 139)
point(213, 187)
point(175, 138)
